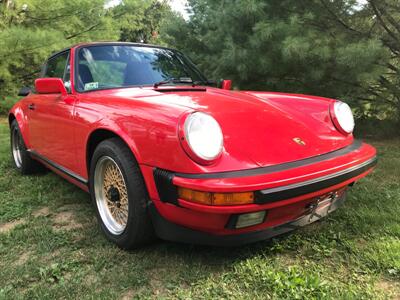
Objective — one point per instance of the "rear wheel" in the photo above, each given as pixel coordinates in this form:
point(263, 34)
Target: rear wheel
point(21, 158)
point(119, 195)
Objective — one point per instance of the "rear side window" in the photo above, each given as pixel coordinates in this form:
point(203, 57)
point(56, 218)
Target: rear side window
point(56, 66)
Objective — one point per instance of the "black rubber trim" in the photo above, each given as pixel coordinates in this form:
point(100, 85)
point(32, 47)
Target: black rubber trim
point(174, 89)
point(165, 188)
point(309, 186)
point(275, 168)
point(58, 167)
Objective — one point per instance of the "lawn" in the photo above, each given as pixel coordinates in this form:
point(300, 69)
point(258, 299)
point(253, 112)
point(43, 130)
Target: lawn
point(51, 247)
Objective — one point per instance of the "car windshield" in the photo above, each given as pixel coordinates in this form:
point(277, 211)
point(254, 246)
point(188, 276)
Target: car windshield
point(115, 66)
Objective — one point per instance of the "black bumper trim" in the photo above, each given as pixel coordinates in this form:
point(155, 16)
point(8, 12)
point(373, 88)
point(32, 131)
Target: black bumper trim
point(167, 191)
point(309, 186)
point(275, 168)
point(172, 232)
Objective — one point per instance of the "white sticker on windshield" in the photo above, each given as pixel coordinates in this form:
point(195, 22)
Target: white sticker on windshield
point(91, 86)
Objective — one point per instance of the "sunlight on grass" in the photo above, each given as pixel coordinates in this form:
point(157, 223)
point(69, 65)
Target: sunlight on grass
point(54, 249)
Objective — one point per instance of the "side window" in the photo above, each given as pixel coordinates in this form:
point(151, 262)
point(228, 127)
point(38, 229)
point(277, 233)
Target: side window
point(59, 67)
point(55, 66)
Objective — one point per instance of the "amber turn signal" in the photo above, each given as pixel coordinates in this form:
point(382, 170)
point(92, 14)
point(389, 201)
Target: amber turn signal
point(209, 198)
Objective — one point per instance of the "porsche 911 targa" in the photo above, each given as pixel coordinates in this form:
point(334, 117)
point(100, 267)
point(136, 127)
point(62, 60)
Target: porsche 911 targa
point(165, 152)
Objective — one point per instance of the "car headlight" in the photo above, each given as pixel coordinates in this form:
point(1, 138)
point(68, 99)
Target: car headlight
point(342, 117)
point(203, 137)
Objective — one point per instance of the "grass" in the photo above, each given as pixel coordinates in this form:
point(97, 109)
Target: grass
point(51, 247)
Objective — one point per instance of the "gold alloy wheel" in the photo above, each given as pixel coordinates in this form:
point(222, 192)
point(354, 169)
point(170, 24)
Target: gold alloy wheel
point(111, 195)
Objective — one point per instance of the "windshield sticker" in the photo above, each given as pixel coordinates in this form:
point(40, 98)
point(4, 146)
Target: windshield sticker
point(91, 86)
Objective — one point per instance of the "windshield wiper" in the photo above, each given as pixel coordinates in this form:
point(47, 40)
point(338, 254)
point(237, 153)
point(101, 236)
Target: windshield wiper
point(187, 80)
point(204, 82)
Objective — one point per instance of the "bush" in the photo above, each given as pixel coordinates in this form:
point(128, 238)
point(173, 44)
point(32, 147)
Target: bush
point(377, 129)
point(6, 103)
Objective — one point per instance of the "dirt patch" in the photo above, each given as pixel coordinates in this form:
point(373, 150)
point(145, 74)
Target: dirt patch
point(42, 212)
point(22, 259)
point(392, 289)
point(90, 280)
point(7, 227)
point(128, 295)
point(72, 206)
point(156, 282)
point(65, 220)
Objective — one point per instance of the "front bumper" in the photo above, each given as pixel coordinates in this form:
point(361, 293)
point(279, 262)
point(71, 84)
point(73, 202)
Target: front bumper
point(172, 232)
point(283, 191)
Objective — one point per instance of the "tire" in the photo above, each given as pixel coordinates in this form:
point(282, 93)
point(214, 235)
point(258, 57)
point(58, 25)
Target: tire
point(23, 162)
point(119, 195)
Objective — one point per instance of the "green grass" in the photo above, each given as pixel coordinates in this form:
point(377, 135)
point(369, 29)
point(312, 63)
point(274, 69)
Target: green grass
point(51, 247)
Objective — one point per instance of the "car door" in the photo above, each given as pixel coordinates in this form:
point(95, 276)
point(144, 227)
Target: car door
point(51, 123)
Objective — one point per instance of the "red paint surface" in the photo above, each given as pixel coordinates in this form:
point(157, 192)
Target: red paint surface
point(50, 86)
point(258, 129)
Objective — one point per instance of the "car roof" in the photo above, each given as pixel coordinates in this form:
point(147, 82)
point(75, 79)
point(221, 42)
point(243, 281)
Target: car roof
point(108, 43)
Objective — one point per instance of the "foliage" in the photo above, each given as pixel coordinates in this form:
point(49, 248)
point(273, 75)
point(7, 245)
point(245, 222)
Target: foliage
point(337, 49)
point(142, 27)
point(30, 30)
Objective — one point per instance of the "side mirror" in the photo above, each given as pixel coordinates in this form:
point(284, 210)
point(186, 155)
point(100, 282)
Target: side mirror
point(226, 84)
point(50, 86)
point(24, 91)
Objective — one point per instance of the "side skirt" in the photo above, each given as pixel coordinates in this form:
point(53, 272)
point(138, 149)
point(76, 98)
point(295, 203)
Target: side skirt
point(57, 167)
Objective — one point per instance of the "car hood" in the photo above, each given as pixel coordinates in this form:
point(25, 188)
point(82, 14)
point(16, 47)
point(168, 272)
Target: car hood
point(260, 129)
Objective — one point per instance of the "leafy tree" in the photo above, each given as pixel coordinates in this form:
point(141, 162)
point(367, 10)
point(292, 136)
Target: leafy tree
point(381, 20)
point(335, 48)
point(377, 20)
point(30, 30)
point(141, 27)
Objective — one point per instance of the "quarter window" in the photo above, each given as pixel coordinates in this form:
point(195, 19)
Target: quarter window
point(59, 67)
point(56, 66)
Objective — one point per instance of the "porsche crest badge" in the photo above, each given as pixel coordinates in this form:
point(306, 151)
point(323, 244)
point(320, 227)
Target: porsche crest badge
point(299, 141)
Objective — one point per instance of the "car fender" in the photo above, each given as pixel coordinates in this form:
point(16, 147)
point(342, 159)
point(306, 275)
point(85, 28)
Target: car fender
point(113, 127)
point(22, 119)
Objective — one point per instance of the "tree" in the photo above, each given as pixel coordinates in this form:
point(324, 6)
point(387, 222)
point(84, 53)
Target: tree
point(143, 27)
point(30, 30)
point(329, 48)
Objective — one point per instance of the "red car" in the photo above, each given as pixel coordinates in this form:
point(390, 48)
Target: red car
point(164, 153)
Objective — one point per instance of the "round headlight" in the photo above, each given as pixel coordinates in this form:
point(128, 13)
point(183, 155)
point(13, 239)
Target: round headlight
point(204, 136)
point(342, 117)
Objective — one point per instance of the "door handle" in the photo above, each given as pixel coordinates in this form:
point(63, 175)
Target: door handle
point(31, 106)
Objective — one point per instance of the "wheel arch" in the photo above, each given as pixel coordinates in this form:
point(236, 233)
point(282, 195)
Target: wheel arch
point(101, 134)
point(18, 115)
point(11, 118)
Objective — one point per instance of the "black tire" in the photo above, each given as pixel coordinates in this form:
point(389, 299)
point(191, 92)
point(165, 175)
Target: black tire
point(139, 229)
point(23, 162)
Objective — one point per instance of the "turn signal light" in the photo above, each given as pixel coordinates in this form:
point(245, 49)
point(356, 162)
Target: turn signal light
point(209, 198)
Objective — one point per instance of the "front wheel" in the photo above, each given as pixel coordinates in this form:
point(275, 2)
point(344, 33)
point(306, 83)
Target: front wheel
point(119, 195)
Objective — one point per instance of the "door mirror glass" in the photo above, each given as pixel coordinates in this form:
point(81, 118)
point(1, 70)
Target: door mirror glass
point(50, 86)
